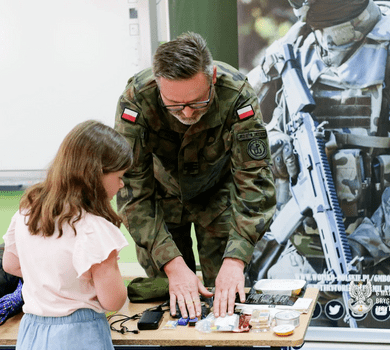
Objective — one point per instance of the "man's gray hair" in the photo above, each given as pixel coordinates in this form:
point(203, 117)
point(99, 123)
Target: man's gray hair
point(183, 58)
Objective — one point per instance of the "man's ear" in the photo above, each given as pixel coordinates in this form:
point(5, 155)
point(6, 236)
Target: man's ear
point(214, 74)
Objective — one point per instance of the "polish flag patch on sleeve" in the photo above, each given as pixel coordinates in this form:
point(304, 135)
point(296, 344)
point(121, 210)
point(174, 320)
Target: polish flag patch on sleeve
point(129, 115)
point(245, 112)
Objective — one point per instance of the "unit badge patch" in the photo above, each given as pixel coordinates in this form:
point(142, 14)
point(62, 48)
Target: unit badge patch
point(245, 112)
point(257, 149)
point(129, 115)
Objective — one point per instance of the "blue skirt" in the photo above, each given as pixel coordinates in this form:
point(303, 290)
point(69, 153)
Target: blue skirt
point(85, 329)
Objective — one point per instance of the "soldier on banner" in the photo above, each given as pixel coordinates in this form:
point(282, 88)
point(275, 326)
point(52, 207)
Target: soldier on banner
point(342, 47)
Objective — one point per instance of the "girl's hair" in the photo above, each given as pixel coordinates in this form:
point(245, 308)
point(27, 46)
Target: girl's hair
point(183, 58)
point(74, 179)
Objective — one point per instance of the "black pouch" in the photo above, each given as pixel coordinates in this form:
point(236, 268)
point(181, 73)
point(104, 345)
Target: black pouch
point(142, 289)
point(150, 320)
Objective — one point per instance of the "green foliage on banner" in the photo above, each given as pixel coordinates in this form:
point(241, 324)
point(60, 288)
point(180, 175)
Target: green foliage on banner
point(260, 23)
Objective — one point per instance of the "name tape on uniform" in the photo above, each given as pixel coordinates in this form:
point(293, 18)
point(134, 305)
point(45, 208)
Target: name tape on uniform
point(129, 115)
point(245, 112)
point(249, 135)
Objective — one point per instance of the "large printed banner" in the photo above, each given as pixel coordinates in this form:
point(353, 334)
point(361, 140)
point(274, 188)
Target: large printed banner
point(327, 115)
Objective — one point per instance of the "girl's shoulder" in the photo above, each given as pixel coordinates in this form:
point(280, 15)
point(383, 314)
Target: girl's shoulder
point(91, 223)
point(95, 231)
point(18, 223)
point(96, 238)
point(19, 216)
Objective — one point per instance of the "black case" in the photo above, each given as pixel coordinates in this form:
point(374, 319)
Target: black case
point(150, 320)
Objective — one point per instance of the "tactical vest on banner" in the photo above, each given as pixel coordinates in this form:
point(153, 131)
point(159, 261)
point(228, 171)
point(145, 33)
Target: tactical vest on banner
point(354, 109)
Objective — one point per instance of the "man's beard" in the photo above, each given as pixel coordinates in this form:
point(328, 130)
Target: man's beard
point(195, 117)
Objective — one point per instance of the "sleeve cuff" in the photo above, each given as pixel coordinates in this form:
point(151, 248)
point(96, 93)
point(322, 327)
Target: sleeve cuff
point(239, 249)
point(165, 253)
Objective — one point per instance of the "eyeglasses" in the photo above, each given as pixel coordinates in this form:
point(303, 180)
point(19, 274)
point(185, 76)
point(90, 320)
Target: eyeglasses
point(192, 105)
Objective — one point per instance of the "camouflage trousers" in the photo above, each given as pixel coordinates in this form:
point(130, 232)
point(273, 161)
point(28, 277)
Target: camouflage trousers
point(211, 244)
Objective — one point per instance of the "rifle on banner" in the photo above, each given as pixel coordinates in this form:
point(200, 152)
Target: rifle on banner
point(313, 191)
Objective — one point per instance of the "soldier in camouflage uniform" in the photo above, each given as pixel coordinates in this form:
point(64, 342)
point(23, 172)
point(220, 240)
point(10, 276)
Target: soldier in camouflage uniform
point(201, 156)
point(343, 49)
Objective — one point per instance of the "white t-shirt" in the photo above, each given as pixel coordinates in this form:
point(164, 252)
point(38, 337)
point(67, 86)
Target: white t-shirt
point(56, 271)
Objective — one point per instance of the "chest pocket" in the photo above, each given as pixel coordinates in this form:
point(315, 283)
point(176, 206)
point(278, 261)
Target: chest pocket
point(216, 146)
point(166, 147)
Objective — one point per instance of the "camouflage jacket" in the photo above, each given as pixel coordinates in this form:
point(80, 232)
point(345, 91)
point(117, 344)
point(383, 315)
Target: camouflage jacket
point(203, 168)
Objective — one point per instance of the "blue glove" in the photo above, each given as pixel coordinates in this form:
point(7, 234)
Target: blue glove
point(11, 304)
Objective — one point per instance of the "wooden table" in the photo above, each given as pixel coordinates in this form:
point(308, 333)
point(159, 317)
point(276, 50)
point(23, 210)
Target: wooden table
point(183, 336)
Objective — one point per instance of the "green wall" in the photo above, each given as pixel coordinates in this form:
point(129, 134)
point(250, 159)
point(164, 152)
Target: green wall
point(9, 204)
point(215, 20)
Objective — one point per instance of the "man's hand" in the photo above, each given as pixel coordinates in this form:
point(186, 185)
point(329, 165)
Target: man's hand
point(230, 280)
point(184, 288)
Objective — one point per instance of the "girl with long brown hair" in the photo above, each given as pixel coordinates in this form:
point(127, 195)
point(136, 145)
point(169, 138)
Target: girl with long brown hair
point(64, 242)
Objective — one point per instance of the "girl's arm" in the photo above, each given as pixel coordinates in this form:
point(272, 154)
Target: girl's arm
point(110, 289)
point(11, 264)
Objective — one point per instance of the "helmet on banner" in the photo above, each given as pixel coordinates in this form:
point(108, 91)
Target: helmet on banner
point(327, 13)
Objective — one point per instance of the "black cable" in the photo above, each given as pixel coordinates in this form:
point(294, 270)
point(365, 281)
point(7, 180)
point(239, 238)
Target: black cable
point(123, 329)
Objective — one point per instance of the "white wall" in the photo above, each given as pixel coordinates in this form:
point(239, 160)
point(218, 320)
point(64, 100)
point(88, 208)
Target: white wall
point(61, 62)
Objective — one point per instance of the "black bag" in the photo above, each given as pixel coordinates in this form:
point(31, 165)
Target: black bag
point(8, 283)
